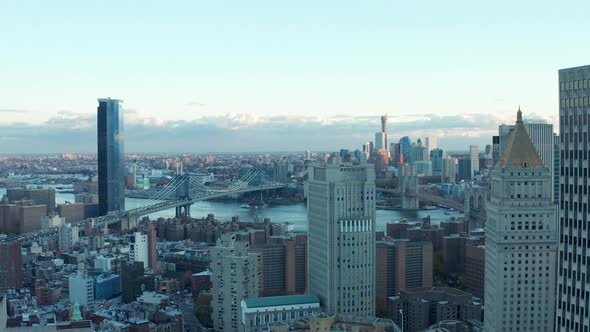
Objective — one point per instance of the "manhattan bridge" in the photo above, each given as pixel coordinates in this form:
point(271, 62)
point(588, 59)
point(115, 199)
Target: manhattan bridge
point(180, 193)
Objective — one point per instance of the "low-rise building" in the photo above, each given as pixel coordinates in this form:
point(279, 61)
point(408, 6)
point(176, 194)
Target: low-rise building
point(258, 313)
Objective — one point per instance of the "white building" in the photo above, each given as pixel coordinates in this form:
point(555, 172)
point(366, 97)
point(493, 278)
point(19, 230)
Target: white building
point(341, 255)
point(81, 288)
point(235, 275)
point(573, 307)
point(521, 240)
point(48, 222)
point(68, 236)
point(104, 263)
point(258, 313)
point(138, 248)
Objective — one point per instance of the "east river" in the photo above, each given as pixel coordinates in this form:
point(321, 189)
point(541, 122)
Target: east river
point(295, 214)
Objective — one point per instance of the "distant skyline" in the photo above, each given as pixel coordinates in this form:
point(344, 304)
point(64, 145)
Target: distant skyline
point(218, 76)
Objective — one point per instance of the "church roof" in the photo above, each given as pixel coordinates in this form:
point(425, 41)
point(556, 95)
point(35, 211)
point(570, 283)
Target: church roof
point(519, 150)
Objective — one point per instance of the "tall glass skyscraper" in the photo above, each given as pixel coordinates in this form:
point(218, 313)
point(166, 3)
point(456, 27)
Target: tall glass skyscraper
point(573, 294)
point(111, 163)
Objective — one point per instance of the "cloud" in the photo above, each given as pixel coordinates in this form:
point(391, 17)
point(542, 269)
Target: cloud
point(241, 132)
point(14, 111)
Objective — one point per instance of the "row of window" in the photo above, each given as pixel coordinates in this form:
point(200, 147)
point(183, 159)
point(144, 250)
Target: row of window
point(574, 102)
point(574, 85)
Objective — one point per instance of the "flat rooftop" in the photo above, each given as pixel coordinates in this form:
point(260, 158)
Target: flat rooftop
point(275, 301)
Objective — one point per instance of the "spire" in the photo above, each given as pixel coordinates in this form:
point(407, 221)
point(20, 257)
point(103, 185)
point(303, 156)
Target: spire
point(519, 150)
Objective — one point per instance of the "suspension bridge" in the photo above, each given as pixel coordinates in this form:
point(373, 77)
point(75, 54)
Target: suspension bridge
point(180, 193)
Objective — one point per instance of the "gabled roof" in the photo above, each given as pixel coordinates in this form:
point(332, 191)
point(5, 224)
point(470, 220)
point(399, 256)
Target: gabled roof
point(519, 150)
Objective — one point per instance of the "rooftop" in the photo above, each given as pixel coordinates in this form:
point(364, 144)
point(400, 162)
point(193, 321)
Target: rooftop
point(519, 150)
point(274, 301)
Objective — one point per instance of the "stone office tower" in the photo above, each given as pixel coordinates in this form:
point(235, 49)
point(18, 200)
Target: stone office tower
point(521, 240)
point(341, 252)
point(573, 295)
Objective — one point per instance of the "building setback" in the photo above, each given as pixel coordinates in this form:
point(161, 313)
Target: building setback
point(341, 256)
point(521, 240)
point(574, 133)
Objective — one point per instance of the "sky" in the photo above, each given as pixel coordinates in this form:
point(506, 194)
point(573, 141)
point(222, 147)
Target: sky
point(216, 76)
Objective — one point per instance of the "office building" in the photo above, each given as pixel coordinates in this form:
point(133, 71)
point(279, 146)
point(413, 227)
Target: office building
point(134, 281)
point(495, 150)
point(430, 143)
point(574, 134)
point(107, 286)
point(521, 240)
point(437, 157)
point(138, 248)
point(81, 289)
point(236, 274)
point(404, 147)
point(449, 170)
point(11, 265)
point(68, 236)
point(423, 307)
point(418, 152)
point(475, 270)
point(260, 312)
point(556, 168)
point(423, 168)
point(111, 162)
point(401, 264)
point(341, 253)
point(464, 169)
point(474, 157)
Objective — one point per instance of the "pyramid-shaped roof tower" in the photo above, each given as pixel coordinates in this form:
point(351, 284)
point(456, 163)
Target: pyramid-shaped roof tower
point(519, 150)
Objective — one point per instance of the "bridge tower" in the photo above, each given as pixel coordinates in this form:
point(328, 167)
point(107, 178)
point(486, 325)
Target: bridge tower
point(184, 192)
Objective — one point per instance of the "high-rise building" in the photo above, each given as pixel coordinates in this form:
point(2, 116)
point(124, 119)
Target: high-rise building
point(401, 264)
point(68, 236)
point(381, 137)
point(521, 240)
point(134, 282)
point(39, 195)
point(464, 172)
point(138, 248)
point(556, 167)
point(449, 170)
point(404, 147)
point(152, 239)
point(474, 278)
point(408, 184)
point(111, 162)
point(495, 150)
point(11, 266)
point(436, 157)
point(81, 288)
point(236, 275)
point(341, 253)
point(574, 135)
point(474, 157)
point(430, 143)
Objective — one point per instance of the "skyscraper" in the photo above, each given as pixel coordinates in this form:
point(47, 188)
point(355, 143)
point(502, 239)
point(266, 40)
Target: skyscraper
point(341, 254)
point(521, 240)
point(474, 157)
point(574, 131)
point(111, 163)
point(436, 157)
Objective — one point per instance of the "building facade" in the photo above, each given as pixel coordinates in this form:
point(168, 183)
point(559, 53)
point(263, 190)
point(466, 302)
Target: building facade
point(111, 162)
point(474, 158)
point(521, 240)
point(258, 313)
point(341, 256)
point(574, 133)
point(236, 274)
point(81, 288)
point(11, 265)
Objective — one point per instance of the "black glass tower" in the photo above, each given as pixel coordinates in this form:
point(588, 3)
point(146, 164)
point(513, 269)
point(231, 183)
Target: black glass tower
point(111, 165)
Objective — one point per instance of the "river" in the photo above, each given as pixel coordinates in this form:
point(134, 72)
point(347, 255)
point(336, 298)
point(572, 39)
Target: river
point(295, 214)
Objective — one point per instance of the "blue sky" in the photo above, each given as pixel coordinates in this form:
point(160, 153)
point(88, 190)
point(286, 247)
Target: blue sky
point(201, 63)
